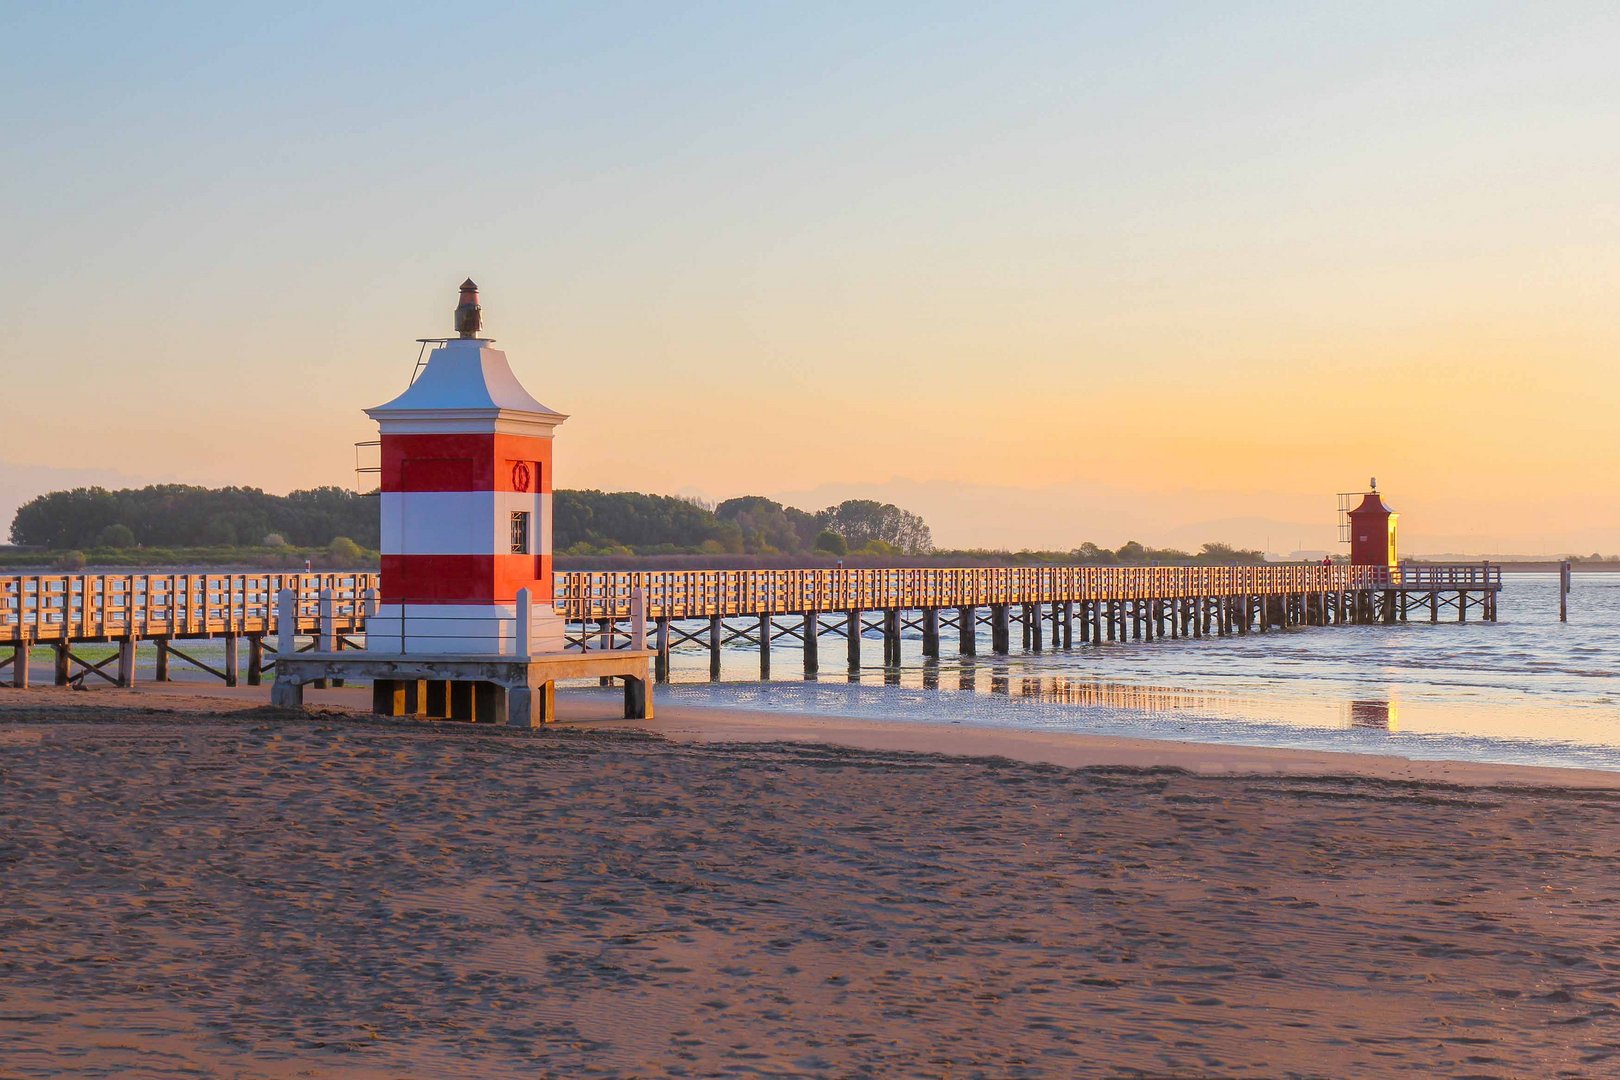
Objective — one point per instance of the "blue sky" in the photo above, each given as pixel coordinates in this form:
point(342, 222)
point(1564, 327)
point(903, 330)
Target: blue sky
point(1132, 255)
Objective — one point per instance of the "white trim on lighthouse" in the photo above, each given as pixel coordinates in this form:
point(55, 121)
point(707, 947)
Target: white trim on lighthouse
point(461, 522)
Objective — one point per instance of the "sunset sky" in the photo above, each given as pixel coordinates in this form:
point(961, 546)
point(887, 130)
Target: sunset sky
point(1043, 273)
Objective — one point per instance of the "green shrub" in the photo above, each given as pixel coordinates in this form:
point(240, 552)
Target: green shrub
point(831, 543)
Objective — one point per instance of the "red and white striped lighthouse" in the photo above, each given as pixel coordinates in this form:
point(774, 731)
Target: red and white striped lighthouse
point(466, 505)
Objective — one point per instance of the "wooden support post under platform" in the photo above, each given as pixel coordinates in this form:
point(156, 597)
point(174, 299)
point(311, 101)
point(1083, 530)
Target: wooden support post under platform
point(661, 646)
point(462, 704)
point(852, 635)
point(126, 662)
point(60, 664)
point(255, 672)
point(891, 637)
point(437, 704)
point(160, 671)
point(388, 697)
point(812, 642)
point(967, 631)
point(233, 658)
point(716, 640)
point(1032, 626)
point(19, 663)
point(766, 629)
point(1000, 630)
point(930, 632)
point(1067, 625)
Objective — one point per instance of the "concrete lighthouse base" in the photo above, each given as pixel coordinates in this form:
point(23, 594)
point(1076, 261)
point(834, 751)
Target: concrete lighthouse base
point(463, 629)
point(516, 690)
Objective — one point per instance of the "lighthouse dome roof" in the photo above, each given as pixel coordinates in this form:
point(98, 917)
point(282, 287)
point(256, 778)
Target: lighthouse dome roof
point(465, 386)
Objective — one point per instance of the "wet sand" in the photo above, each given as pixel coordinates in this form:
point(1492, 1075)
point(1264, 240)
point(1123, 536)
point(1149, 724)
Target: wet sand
point(191, 890)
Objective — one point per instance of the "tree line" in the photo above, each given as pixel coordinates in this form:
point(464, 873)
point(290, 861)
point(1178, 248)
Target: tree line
point(586, 523)
point(181, 515)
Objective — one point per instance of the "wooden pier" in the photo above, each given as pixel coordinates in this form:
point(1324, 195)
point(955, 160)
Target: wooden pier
point(1050, 607)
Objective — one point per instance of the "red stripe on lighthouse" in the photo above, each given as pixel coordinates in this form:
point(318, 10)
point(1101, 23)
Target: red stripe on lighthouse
point(465, 579)
point(467, 462)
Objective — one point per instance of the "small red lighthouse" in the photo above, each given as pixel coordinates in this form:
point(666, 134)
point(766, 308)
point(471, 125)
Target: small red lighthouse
point(1372, 531)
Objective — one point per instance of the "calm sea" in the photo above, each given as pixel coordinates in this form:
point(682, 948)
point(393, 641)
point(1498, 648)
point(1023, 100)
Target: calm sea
point(1526, 689)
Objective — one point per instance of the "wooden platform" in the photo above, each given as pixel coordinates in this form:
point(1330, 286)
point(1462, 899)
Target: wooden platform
point(520, 691)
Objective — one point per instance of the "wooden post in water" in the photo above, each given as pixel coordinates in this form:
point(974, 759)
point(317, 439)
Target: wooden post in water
point(1566, 571)
point(853, 633)
point(967, 631)
point(891, 637)
point(930, 632)
point(1000, 635)
point(766, 629)
point(661, 643)
point(716, 640)
point(812, 642)
point(160, 671)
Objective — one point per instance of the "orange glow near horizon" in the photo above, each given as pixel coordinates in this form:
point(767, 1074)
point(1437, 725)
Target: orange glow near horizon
point(1042, 277)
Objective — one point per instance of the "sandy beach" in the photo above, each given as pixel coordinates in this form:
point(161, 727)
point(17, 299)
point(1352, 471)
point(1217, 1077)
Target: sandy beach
point(194, 885)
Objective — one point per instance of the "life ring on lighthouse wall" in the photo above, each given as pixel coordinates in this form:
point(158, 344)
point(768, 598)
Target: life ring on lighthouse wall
point(521, 477)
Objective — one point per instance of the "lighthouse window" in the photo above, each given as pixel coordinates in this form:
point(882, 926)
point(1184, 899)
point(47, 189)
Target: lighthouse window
point(520, 532)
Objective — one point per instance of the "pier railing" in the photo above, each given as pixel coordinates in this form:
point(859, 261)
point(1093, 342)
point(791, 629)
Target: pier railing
point(683, 594)
point(106, 607)
point(91, 607)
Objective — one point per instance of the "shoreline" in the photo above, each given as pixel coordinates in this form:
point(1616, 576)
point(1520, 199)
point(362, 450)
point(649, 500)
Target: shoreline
point(589, 711)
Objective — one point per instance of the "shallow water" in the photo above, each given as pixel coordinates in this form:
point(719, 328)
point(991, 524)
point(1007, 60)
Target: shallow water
point(1526, 689)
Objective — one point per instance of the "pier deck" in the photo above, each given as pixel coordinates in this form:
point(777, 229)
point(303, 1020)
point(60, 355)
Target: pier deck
point(714, 608)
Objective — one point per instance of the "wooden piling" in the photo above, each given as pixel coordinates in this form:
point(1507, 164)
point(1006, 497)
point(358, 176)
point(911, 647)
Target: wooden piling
point(126, 661)
point(661, 649)
point(811, 632)
point(255, 671)
point(717, 637)
point(766, 629)
point(1000, 630)
point(967, 631)
point(930, 632)
point(852, 634)
point(891, 637)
